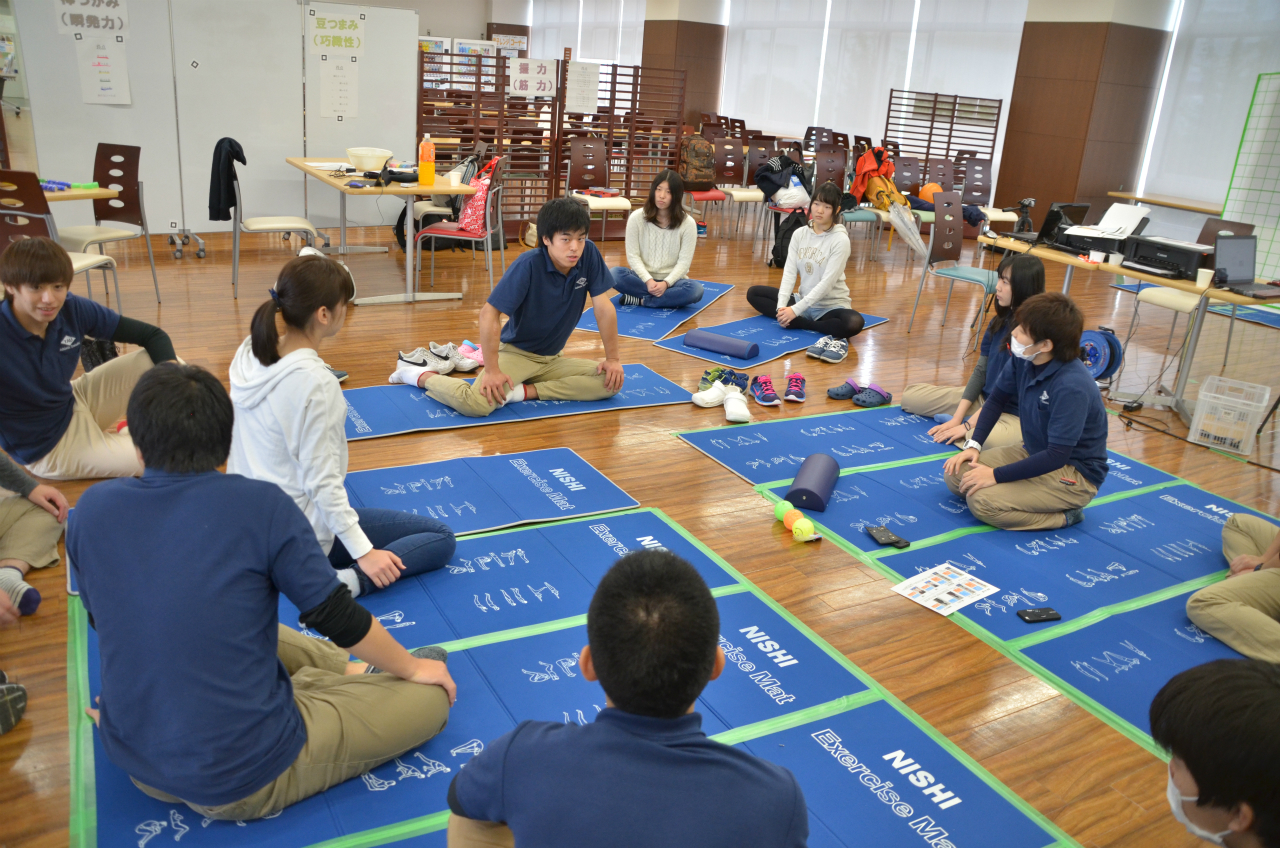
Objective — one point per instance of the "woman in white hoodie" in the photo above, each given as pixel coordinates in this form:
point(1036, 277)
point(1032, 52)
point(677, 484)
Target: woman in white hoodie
point(817, 256)
point(289, 429)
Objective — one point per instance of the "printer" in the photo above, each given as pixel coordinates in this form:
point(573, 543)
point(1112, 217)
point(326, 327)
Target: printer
point(1108, 235)
point(1166, 257)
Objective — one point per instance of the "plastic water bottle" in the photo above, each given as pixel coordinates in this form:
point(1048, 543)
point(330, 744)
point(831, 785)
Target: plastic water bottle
point(426, 161)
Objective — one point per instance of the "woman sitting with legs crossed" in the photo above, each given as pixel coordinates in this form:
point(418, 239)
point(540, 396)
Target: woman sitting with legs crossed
point(661, 237)
point(1021, 276)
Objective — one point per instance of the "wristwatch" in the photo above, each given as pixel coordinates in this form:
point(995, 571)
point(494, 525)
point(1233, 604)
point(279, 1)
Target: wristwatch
point(972, 444)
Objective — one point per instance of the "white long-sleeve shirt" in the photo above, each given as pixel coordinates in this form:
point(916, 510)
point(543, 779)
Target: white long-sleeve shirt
point(818, 259)
point(658, 254)
point(290, 430)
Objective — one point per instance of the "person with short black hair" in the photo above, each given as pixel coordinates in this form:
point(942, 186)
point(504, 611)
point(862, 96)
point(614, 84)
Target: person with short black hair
point(543, 294)
point(1019, 277)
point(1044, 483)
point(290, 430)
point(815, 265)
point(206, 699)
point(648, 772)
point(1243, 611)
point(59, 428)
point(1218, 721)
point(661, 238)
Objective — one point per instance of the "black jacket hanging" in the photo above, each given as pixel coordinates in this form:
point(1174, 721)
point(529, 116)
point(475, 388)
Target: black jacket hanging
point(222, 194)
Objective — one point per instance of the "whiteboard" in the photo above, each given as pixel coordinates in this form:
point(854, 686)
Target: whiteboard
point(387, 118)
point(239, 74)
point(68, 131)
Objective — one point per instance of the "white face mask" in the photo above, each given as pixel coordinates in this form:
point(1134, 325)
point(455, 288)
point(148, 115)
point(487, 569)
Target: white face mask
point(1175, 804)
point(1020, 350)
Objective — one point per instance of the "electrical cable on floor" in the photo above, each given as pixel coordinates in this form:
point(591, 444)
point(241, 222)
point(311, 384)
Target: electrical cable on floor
point(1129, 420)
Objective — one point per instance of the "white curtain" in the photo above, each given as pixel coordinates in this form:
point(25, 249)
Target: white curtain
point(867, 45)
point(554, 27)
point(1221, 47)
point(601, 31)
point(772, 55)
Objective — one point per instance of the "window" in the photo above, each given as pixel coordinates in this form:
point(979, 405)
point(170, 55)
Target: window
point(603, 31)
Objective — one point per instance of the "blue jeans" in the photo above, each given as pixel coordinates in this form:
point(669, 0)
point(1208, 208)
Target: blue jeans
point(423, 544)
point(680, 293)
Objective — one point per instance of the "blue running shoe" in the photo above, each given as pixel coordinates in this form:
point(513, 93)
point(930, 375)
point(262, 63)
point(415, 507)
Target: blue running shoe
point(762, 391)
point(734, 378)
point(795, 388)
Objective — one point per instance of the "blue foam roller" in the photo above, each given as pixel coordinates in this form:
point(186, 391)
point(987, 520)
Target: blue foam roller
point(814, 482)
point(740, 348)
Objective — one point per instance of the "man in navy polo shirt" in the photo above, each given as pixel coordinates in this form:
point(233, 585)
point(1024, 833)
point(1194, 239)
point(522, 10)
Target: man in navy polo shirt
point(59, 428)
point(1046, 482)
point(543, 294)
point(643, 773)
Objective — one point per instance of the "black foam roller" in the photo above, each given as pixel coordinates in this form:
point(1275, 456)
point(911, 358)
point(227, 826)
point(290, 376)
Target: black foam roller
point(814, 482)
point(739, 348)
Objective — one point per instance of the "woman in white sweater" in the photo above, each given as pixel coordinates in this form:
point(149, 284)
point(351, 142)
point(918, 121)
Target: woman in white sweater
point(289, 429)
point(816, 256)
point(661, 237)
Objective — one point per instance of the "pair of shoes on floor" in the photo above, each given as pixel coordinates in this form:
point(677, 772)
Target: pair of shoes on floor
point(829, 349)
point(438, 359)
point(430, 652)
point(728, 395)
point(719, 374)
point(867, 396)
point(765, 395)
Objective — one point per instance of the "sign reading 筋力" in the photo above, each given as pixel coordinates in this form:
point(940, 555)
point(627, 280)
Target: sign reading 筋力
point(531, 77)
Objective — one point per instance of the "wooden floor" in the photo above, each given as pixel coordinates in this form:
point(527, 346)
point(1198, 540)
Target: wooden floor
point(1094, 783)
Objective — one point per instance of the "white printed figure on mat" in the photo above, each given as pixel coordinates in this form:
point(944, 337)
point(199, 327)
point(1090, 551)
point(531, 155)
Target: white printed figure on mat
point(148, 830)
point(397, 489)
point(582, 719)
point(1132, 647)
point(1038, 597)
point(987, 603)
point(510, 556)
point(1192, 633)
point(433, 766)
point(1178, 551)
point(778, 342)
point(441, 413)
point(828, 430)
point(1089, 671)
point(908, 418)
point(515, 590)
point(394, 619)
point(376, 784)
point(640, 328)
point(567, 663)
point(179, 829)
point(404, 770)
point(549, 670)
point(955, 506)
point(1013, 599)
point(1049, 543)
point(507, 597)
point(465, 506)
point(1126, 524)
point(488, 599)
point(856, 450)
point(924, 481)
point(848, 493)
point(1117, 661)
point(545, 587)
point(472, 747)
point(465, 568)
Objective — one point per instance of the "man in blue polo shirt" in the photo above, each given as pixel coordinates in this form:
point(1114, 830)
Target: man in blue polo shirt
point(1045, 483)
point(543, 294)
point(643, 773)
point(60, 428)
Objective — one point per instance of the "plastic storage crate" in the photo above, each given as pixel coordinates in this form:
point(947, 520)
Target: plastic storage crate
point(1228, 414)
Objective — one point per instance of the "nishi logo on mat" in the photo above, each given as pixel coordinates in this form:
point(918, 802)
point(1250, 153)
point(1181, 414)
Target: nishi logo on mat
point(771, 649)
point(570, 482)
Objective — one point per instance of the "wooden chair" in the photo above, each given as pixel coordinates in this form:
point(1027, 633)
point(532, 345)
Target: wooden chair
point(906, 174)
point(492, 226)
point(588, 169)
point(831, 165)
point(709, 118)
point(729, 170)
point(862, 143)
point(940, 171)
point(892, 147)
point(944, 246)
point(737, 128)
point(977, 191)
point(115, 166)
point(713, 131)
point(841, 139)
point(24, 213)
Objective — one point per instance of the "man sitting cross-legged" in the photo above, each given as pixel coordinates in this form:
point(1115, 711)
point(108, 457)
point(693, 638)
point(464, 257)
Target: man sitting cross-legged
point(643, 773)
point(1244, 610)
point(1044, 483)
point(206, 699)
point(543, 294)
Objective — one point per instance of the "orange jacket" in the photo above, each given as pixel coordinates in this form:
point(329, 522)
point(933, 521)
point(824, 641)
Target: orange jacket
point(876, 162)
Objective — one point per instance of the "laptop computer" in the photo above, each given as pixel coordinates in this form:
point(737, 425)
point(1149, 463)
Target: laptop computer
point(1236, 258)
point(1059, 215)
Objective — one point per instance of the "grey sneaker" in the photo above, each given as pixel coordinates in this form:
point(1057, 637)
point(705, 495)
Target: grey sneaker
point(1072, 516)
point(13, 703)
point(815, 350)
point(452, 354)
point(835, 350)
point(337, 375)
point(430, 652)
point(426, 359)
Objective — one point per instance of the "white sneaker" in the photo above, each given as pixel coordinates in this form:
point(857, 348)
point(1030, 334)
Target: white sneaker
point(713, 396)
point(451, 353)
point(735, 407)
point(425, 358)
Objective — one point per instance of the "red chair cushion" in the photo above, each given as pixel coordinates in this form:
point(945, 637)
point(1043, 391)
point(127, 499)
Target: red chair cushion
point(702, 196)
point(450, 229)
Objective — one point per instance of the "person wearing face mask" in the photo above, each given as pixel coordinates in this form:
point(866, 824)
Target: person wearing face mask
point(1044, 483)
point(1218, 721)
point(1020, 277)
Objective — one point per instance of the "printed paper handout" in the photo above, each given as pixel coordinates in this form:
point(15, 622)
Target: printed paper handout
point(944, 588)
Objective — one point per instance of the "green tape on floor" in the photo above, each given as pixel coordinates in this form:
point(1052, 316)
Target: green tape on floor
point(797, 718)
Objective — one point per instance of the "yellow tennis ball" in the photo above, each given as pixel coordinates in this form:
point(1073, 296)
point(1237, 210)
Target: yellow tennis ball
point(781, 509)
point(802, 530)
point(789, 520)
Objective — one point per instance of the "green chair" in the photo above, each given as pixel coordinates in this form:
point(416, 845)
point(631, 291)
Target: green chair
point(944, 246)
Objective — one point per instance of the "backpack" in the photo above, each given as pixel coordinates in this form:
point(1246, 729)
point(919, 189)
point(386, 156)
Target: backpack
point(696, 163)
point(881, 192)
point(782, 243)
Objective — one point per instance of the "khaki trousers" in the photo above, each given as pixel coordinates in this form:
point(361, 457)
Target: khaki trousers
point(557, 378)
point(1037, 503)
point(87, 450)
point(929, 400)
point(469, 833)
point(355, 722)
point(28, 533)
point(1243, 612)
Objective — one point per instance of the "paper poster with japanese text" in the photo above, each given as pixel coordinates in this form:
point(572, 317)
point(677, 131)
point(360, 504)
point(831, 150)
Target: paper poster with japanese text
point(104, 69)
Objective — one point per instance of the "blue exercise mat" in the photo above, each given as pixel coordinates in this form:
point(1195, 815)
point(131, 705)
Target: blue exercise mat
point(774, 340)
point(1122, 661)
point(1134, 287)
point(389, 410)
point(488, 492)
point(1266, 316)
point(861, 769)
point(640, 322)
point(1129, 475)
point(773, 450)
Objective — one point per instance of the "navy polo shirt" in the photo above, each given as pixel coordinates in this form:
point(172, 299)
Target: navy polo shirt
point(35, 382)
point(182, 575)
point(995, 347)
point(627, 780)
point(1059, 404)
point(544, 305)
